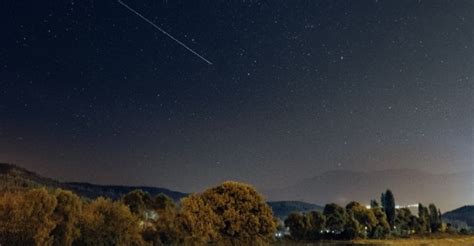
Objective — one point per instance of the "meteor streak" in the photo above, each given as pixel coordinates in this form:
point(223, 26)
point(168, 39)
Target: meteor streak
point(164, 32)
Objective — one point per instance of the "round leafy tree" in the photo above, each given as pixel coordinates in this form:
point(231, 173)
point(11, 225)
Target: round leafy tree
point(241, 216)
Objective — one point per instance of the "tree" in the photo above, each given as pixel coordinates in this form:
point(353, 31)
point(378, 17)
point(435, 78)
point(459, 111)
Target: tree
point(364, 216)
point(352, 228)
point(26, 217)
point(317, 223)
point(197, 222)
point(105, 222)
point(66, 216)
point(435, 218)
point(403, 221)
point(374, 204)
point(162, 202)
point(413, 223)
point(382, 199)
point(138, 201)
point(308, 226)
point(336, 218)
point(167, 234)
point(158, 215)
point(165, 222)
point(244, 216)
point(423, 219)
point(382, 229)
point(388, 204)
point(298, 224)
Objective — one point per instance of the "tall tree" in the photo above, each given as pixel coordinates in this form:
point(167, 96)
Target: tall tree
point(388, 203)
point(423, 219)
point(382, 199)
point(435, 218)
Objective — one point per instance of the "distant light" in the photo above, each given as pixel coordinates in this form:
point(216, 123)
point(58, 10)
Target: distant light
point(415, 205)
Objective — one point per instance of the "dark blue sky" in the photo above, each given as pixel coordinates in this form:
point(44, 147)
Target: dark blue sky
point(90, 92)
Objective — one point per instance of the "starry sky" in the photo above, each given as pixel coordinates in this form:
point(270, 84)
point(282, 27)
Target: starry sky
point(91, 92)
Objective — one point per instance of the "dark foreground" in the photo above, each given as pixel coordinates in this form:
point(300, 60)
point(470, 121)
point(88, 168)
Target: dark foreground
point(461, 240)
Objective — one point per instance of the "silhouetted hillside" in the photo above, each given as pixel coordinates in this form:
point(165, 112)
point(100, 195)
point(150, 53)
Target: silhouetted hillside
point(465, 214)
point(13, 177)
point(116, 191)
point(409, 186)
point(282, 209)
point(345, 186)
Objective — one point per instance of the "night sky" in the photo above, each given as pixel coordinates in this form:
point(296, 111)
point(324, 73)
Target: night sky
point(91, 92)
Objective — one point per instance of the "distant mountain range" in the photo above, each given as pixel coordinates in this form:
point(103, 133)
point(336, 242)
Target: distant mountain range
point(14, 177)
point(447, 191)
point(465, 214)
point(281, 209)
point(335, 186)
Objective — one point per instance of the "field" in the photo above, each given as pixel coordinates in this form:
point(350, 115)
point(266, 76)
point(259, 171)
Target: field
point(419, 241)
point(453, 240)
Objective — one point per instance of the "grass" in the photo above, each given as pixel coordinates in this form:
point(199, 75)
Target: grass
point(451, 240)
point(440, 240)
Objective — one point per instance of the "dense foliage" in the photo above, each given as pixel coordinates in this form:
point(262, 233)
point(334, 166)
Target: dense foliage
point(232, 213)
point(358, 221)
point(229, 214)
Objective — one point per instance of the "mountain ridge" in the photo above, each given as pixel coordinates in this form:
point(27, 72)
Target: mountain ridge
point(464, 214)
point(14, 177)
point(343, 186)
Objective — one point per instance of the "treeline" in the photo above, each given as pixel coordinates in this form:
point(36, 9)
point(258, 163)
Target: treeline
point(228, 214)
point(357, 221)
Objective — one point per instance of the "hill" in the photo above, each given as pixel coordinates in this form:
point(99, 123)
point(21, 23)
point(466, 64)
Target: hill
point(281, 209)
point(116, 191)
point(463, 214)
point(409, 186)
point(13, 177)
